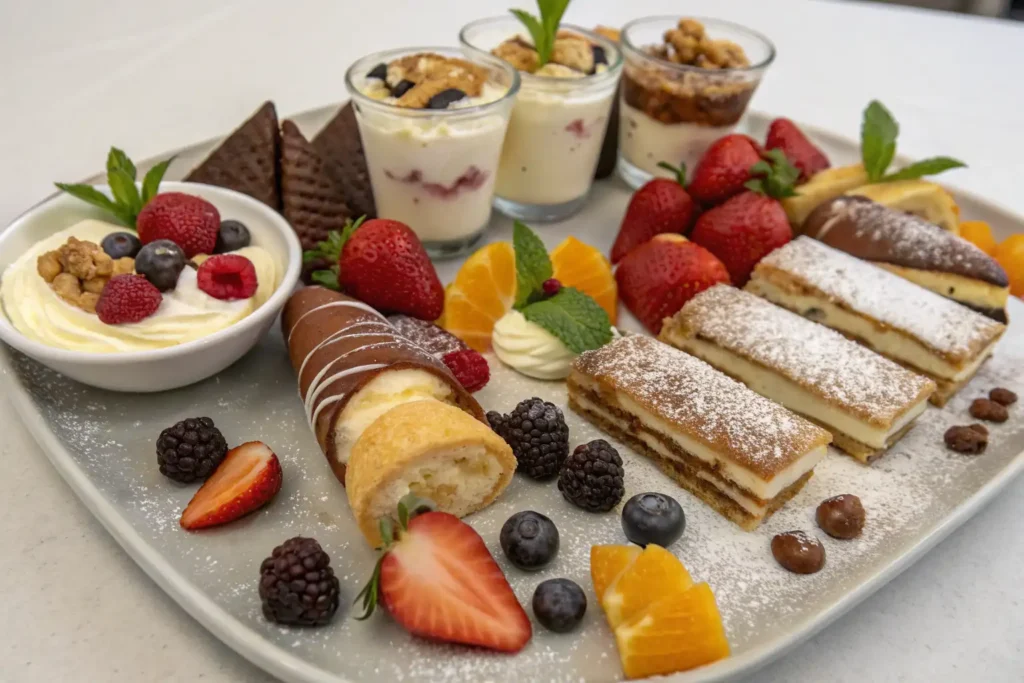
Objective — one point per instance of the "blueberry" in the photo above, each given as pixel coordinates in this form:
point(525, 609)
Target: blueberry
point(161, 262)
point(403, 87)
point(380, 71)
point(529, 539)
point(600, 57)
point(653, 518)
point(559, 604)
point(232, 235)
point(121, 244)
point(442, 99)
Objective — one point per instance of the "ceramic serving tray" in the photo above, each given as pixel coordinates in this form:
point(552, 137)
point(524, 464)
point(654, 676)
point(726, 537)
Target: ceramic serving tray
point(103, 445)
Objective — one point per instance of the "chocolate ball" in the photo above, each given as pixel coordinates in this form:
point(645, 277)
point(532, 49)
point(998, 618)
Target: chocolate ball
point(1003, 396)
point(967, 439)
point(798, 552)
point(841, 516)
point(985, 409)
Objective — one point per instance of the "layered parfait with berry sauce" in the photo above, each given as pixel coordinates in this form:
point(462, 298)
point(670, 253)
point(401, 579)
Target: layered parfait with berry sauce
point(168, 273)
point(432, 121)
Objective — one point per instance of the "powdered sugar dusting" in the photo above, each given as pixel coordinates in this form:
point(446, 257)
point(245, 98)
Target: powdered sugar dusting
point(703, 403)
point(940, 324)
point(817, 358)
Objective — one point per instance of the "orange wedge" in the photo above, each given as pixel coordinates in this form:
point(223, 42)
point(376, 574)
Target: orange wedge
point(676, 633)
point(483, 290)
point(607, 562)
point(655, 574)
point(580, 265)
point(979, 233)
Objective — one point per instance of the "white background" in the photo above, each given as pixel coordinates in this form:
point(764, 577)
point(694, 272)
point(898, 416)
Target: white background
point(76, 77)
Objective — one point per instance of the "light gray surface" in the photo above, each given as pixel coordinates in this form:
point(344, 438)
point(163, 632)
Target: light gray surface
point(81, 76)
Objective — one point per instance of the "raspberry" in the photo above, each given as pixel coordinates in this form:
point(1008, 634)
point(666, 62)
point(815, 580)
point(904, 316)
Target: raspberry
point(190, 222)
point(470, 368)
point(127, 299)
point(227, 277)
point(551, 287)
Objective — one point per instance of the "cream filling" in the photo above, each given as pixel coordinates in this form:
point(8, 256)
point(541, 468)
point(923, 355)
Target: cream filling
point(387, 390)
point(763, 489)
point(963, 289)
point(754, 507)
point(885, 341)
point(777, 387)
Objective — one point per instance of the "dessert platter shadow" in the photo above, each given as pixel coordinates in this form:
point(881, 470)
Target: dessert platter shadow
point(101, 442)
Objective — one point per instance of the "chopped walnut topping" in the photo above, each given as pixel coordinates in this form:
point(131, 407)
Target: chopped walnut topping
point(433, 73)
point(691, 45)
point(571, 51)
point(519, 54)
point(87, 302)
point(67, 287)
point(574, 51)
point(48, 265)
point(78, 271)
point(610, 33)
point(85, 260)
point(123, 266)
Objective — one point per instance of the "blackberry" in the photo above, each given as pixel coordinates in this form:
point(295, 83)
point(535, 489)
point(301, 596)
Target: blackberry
point(297, 584)
point(592, 477)
point(190, 450)
point(538, 435)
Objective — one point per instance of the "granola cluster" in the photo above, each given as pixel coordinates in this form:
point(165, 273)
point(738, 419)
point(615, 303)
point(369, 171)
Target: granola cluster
point(688, 43)
point(78, 271)
point(572, 56)
point(414, 79)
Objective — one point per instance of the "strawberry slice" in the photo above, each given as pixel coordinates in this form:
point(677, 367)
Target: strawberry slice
point(438, 580)
point(246, 480)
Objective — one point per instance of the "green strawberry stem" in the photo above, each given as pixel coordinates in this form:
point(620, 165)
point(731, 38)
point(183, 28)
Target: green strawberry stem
point(775, 176)
point(127, 200)
point(330, 250)
point(678, 171)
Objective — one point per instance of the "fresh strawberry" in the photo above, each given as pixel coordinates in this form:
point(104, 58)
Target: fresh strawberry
point(438, 580)
point(746, 228)
point(227, 277)
point(661, 205)
point(783, 134)
point(384, 264)
point(127, 299)
point(658, 277)
point(190, 222)
point(724, 169)
point(469, 367)
point(246, 480)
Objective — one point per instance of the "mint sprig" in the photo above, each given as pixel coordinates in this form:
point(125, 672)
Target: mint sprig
point(127, 200)
point(330, 250)
point(878, 134)
point(573, 317)
point(533, 265)
point(544, 29)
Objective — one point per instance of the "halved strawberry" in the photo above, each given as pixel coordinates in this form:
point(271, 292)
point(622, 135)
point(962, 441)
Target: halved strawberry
point(438, 580)
point(246, 480)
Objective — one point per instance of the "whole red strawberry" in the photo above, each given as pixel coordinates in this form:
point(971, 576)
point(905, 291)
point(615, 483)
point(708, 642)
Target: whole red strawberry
point(724, 169)
point(661, 205)
point(190, 222)
point(127, 299)
point(658, 277)
point(384, 264)
point(227, 277)
point(783, 134)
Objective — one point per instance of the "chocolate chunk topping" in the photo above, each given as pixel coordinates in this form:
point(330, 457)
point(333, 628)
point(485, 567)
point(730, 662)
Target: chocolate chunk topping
point(841, 516)
point(970, 439)
point(798, 552)
point(985, 409)
point(1003, 396)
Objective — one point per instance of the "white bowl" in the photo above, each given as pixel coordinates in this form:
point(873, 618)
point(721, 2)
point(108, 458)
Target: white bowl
point(174, 366)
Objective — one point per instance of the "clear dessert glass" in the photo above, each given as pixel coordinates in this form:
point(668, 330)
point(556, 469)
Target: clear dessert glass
point(672, 112)
point(557, 128)
point(435, 169)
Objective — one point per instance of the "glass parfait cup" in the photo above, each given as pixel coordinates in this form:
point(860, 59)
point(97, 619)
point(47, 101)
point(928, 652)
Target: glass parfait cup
point(673, 112)
point(435, 169)
point(556, 131)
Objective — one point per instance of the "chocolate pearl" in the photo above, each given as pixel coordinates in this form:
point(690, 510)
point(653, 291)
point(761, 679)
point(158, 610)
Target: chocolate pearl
point(969, 439)
point(798, 552)
point(841, 516)
point(984, 409)
point(1003, 397)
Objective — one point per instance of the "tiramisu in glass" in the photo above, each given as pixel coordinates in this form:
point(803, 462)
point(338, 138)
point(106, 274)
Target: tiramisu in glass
point(432, 122)
point(685, 83)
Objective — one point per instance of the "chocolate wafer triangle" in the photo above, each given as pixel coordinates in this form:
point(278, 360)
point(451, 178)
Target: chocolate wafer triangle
point(247, 160)
point(311, 198)
point(341, 148)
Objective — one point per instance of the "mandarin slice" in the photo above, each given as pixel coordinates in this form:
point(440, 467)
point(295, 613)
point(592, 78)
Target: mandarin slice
point(582, 266)
point(483, 290)
point(979, 233)
point(1010, 255)
point(607, 562)
point(655, 574)
point(677, 633)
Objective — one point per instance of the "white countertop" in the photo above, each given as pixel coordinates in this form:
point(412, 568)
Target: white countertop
point(148, 77)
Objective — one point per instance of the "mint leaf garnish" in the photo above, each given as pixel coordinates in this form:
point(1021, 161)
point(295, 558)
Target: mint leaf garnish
point(878, 134)
point(118, 160)
point(544, 29)
point(121, 175)
point(533, 266)
point(919, 169)
point(573, 317)
point(151, 183)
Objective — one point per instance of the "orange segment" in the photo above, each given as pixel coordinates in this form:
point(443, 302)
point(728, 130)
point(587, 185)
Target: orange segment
point(580, 265)
point(1010, 254)
point(656, 573)
point(483, 290)
point(979, 234)
point(607, 562)
point(676, 633)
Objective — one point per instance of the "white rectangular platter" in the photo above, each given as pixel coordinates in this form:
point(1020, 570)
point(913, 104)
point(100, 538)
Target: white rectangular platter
point(103, 445)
